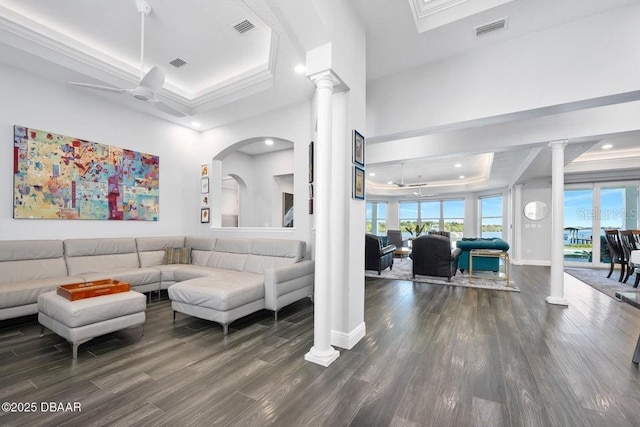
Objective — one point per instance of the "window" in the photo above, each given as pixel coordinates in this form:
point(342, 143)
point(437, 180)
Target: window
point(408, 217)
point(434, 215)
point(491, 216)
point(377, 218)
point(453, 217)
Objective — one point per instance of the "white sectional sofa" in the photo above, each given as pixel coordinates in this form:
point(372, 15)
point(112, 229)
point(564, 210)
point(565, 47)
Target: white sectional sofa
point(239, 276)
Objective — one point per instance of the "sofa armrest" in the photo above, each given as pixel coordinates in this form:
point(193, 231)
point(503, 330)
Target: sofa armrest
point(281, 281)
point(387, 249)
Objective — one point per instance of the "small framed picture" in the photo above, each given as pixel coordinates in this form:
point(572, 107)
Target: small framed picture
point(311, 162)
point(204, 170)
point(358, 183)
point(204, 200)
point(204, 185)
point(358, 148)
point(204, 215)
point(310, 206)
point(311, 191)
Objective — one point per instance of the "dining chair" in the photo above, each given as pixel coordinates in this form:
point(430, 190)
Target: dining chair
point(630, 240)
point(616, 252)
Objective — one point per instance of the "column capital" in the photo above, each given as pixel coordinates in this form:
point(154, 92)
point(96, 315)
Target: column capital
point(556, 145)
point(327, 79)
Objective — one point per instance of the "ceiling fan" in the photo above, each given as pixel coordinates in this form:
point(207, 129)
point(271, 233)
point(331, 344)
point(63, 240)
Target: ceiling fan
point(402, 184)
point(150, 83)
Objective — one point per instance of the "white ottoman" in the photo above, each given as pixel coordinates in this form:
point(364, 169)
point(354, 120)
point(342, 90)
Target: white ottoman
point(81, 320)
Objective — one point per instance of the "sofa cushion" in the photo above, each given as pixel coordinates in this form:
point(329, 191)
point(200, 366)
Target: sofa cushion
point(201, 248)
point(230, 254)
point(177, 256)
point(100, 255)
point(16, 294)
point(225, 291)
point(133, 276)
point(88, 311)
point(195, 271)
point(167, 272)
point(31, 260)
point(151, 249)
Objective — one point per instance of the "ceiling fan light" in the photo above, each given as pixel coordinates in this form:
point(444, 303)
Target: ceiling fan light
point(268, 142)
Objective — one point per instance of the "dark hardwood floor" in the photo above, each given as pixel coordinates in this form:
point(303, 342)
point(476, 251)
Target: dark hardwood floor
point(433, 356)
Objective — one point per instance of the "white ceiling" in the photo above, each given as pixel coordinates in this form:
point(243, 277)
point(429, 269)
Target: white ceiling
point(228, 76)
point(231, 76)
point(394, 43)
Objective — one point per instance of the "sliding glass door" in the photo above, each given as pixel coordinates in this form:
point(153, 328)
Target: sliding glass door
point(596, 207)
point(578, 225)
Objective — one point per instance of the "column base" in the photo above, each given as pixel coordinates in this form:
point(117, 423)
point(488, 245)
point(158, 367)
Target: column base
point(557, 301)
point(322, 358)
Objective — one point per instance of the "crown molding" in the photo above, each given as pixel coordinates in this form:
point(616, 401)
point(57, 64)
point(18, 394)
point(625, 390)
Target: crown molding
point(30, 36)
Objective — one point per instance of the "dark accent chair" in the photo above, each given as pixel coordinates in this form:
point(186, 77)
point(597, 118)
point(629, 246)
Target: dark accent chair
point(395, 238)
point(376, 256)
point(615, 251)
point(446, 234)
point(432, 256)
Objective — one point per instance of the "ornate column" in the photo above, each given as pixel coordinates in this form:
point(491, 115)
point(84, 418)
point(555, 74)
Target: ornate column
point(557, 224)
point(322, 353)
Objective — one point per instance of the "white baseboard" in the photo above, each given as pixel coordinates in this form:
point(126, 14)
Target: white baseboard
point(539, 262)
point(344, 340)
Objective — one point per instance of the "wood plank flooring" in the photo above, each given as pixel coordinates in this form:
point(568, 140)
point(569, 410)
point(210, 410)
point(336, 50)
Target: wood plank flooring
point(433, 356)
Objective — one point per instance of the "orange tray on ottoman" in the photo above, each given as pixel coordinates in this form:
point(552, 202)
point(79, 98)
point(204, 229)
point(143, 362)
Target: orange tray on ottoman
point(98, 288)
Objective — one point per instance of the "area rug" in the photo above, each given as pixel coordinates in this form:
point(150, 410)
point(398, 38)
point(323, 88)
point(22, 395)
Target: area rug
point(402, 270)
point(597, 279)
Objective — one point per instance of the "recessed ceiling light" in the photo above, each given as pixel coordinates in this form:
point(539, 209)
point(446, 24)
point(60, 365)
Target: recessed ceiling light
point(461, 177)
point(457, 165)
point(390, 182)
point(300, 68)
point(195, 124)
point(607, 146)
point(372, 174)
point(268, 141)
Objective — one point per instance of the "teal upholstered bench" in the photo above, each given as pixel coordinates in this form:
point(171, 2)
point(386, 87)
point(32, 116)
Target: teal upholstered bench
point(480, 263)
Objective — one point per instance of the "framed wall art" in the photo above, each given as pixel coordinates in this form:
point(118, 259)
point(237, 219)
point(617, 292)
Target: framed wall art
point(62, 177)
point(311, 162)
point(358, 183)
point(204, 215)
point(204, 170)
point(358, 148)
point(204, 185)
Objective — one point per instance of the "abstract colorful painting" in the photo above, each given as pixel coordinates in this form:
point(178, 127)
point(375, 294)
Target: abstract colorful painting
point(60, 177)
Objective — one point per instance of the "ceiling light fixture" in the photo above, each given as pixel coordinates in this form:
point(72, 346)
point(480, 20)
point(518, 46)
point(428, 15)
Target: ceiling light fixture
point(607, 146)
point(300, 69)
point(372, 174)
point(268, 142)
point(196, 124)
point(461, 177)
point(390, 182)
point(457, 165)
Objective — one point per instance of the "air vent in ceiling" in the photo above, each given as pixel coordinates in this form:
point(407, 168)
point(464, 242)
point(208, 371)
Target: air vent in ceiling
point(500, 24)
point(244, 26)
point(178, 62)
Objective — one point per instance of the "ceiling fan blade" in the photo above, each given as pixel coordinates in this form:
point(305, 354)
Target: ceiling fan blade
point(166, 108)
point(416, 185)
point(99, 87)
point(153, 80)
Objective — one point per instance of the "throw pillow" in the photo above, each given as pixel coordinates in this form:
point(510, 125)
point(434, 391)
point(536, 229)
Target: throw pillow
point(177, 255)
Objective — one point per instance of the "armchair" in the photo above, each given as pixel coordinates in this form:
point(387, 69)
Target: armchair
point(432, 256)
point(395, 238)
point(376, 256)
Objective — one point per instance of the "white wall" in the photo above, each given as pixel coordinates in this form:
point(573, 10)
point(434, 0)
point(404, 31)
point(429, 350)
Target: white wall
point(260, 202)
point(564, 64)
point(535, 247)
point(291, 123)
point(31, 101)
